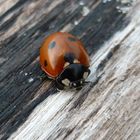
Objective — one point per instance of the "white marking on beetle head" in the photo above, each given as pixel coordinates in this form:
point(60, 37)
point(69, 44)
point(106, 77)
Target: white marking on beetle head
point(66, 82)
point(85, 75)
point(66, 64)
point(76, 61)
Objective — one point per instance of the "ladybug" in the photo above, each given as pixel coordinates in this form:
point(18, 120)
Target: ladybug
point(64, 59)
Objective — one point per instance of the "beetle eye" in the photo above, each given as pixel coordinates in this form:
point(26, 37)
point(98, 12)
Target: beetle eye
point(66, 82)
point(74, 84)
point(85, 75)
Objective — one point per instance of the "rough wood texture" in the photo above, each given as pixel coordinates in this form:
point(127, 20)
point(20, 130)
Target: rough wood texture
point(107, 107)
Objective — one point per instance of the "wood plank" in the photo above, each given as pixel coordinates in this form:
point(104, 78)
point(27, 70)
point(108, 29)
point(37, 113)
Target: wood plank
point(105, 108)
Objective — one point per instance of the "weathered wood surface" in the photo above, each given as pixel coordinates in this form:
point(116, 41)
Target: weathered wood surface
point(107, 107)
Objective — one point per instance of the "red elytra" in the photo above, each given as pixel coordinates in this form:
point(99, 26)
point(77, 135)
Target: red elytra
point(60, 51)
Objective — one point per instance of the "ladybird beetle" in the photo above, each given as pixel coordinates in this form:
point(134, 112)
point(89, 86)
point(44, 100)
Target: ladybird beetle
point(64, 59)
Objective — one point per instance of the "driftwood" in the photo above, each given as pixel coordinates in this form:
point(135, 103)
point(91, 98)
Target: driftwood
point(105, 108)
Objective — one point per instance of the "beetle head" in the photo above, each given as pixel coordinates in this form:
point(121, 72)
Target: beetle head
point(73, 75)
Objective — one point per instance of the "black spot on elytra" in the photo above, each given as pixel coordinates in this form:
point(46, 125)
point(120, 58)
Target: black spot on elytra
point(52, 44)
point(72, 39)
point(69, 57)
point(45, 63)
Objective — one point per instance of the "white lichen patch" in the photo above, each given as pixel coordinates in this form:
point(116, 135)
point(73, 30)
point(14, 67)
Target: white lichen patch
point(81, 3)
point(125, 6)
point(30, 80)
point(2, 60)
point(76, 22)
point(105, 1)
point(85, 11)
point(25, 73)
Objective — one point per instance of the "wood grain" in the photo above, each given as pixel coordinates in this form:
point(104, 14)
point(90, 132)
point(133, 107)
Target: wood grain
point(105, 108)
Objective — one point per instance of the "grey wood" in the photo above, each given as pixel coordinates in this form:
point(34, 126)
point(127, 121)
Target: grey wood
point(105, 108)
